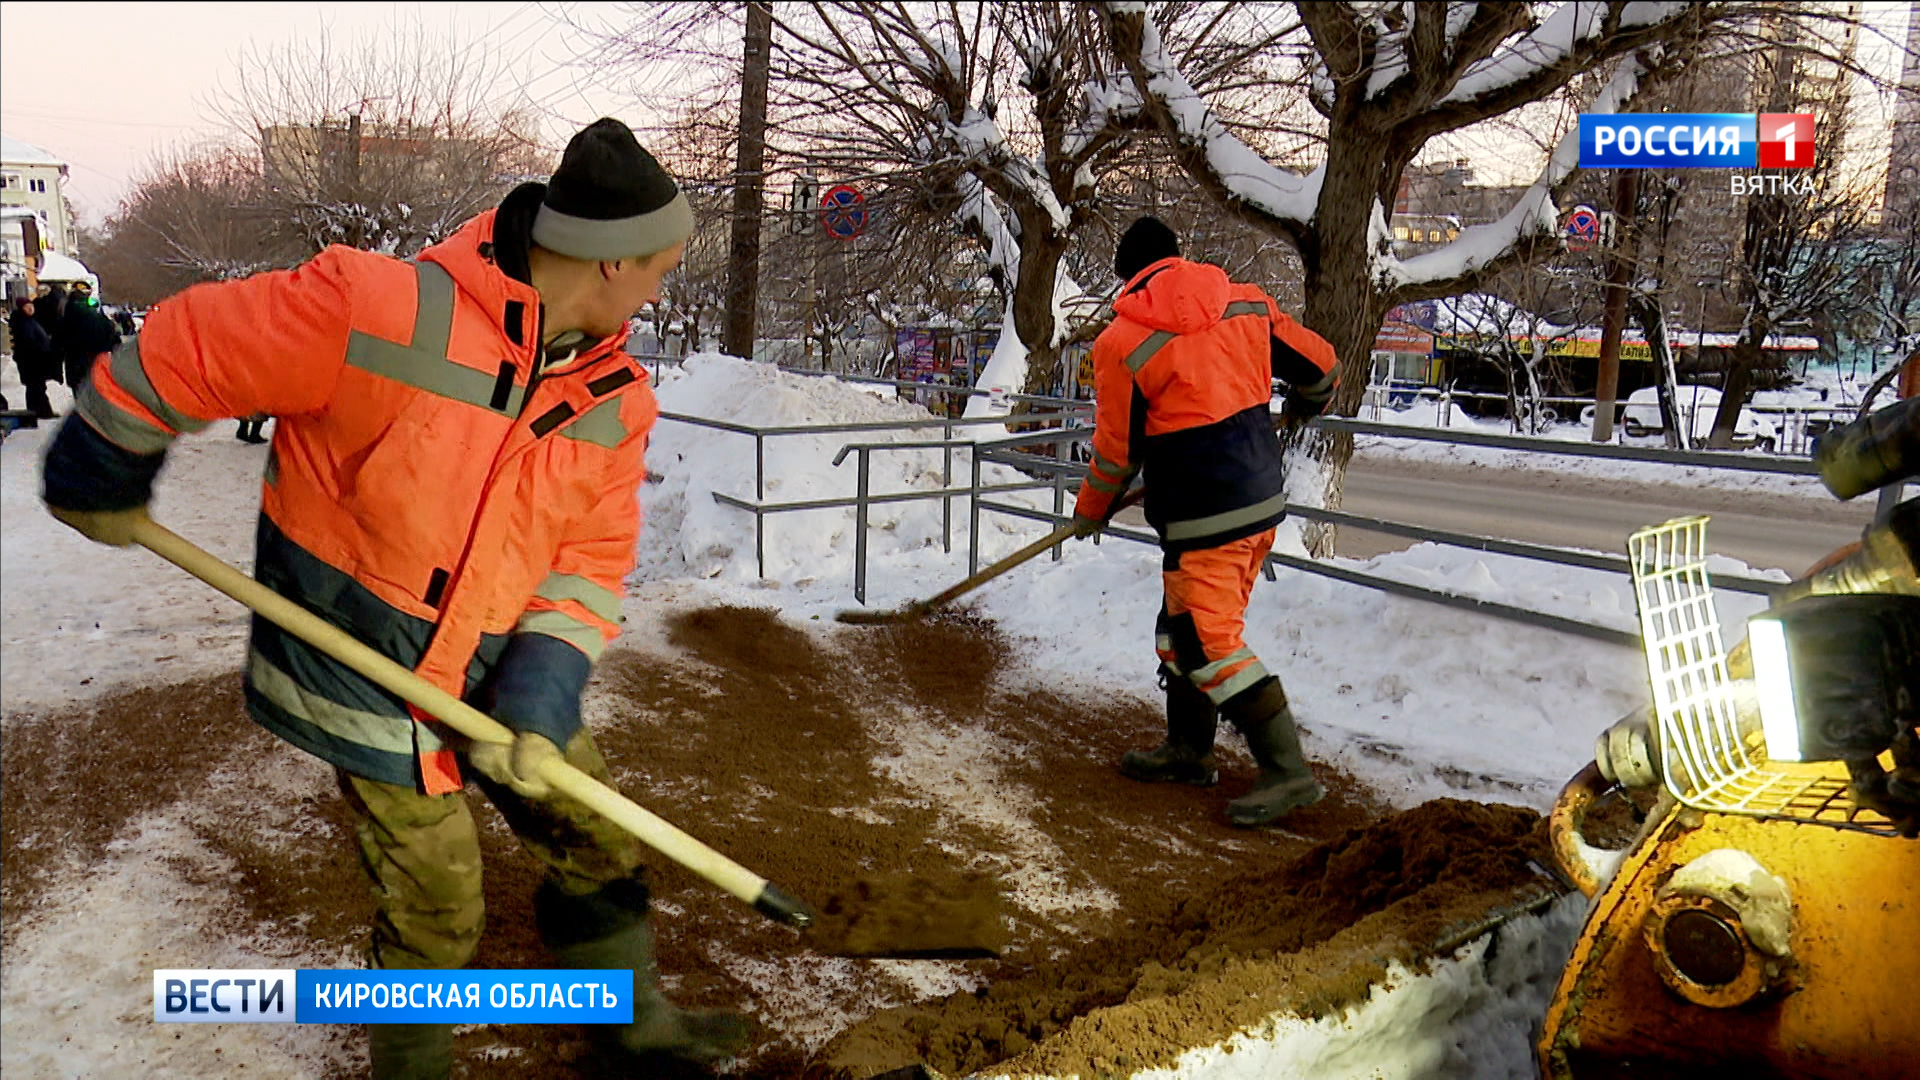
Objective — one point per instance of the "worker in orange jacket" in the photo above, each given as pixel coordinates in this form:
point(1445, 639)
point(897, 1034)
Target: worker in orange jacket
point(453, 480)
point(1183, 386)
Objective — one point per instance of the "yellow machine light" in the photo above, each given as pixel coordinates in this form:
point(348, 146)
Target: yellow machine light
point(1773, 676)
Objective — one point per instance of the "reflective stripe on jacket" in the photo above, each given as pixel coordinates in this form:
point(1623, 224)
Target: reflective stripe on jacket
point(425, 491)
point(1183, 380)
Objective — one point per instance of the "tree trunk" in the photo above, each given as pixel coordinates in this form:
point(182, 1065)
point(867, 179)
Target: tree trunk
point(1033, 313)
point(1738, 385)
point(749, 184)
point(1653, 323)
point(1535, 408)
point(1342, 304)
point(1626, 198)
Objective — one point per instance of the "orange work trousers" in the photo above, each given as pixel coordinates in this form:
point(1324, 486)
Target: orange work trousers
point(1204, 614)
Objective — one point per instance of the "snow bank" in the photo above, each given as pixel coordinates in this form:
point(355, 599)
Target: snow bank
point(1475, 1013)
point(688, 533)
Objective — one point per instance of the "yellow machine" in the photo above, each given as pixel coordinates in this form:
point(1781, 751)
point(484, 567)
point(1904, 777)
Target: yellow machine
point(1764, 919)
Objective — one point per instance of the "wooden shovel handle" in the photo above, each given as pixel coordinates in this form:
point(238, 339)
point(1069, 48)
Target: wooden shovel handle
point(1058, 536)
point(653, 830)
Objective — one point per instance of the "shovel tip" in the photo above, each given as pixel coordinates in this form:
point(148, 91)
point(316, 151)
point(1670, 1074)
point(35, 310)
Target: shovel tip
point(783, 907)
point(875, 618)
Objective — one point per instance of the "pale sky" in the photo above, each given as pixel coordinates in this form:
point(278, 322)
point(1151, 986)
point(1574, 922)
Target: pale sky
point(103, 86)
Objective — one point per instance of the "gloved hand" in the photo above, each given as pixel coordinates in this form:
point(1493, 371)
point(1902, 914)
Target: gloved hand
point(517, 764)
point(111, 527)
point(1295, 412)
point(1084, 527)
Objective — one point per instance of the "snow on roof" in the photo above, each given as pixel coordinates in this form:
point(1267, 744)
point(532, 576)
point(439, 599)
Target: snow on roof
point(57, 267)
point(1482, 313)
point(15, 152)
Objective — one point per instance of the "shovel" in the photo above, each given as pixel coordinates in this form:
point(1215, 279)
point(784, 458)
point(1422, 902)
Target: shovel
point(920, 609)
point(924, 925)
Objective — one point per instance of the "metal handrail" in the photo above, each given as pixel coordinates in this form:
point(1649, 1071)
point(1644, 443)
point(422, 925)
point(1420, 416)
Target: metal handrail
point(1374, 581)
point(944, 388)
point(1060, 472)
point(1586, 560)
point(1712, 459)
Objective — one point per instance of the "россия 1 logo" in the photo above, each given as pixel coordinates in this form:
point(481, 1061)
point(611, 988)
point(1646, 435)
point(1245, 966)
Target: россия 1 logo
point(1696, 140)
point(1786, 140)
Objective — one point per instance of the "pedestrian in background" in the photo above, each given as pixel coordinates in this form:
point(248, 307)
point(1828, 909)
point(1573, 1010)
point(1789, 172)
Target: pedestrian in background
point(34, 355)
point(85, 335)
point(250, 429)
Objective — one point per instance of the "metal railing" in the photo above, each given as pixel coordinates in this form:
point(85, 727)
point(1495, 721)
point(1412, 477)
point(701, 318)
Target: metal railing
point(862, 497)
point(1712, 459)
point(1796, 425)
point(1058, 404)
point(1044, 456)
point(1005, 452)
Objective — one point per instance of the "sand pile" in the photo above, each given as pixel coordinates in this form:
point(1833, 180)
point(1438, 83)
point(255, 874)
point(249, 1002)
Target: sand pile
point(1309, 936)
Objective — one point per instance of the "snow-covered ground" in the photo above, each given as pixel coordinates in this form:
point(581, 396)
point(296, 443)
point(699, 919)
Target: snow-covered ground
point(1415, 699)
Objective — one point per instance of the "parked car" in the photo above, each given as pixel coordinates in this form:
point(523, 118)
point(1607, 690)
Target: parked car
point(1641, 416)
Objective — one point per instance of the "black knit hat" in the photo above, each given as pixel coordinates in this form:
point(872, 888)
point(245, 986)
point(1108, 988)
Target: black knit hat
point(1146, 242)
point(610, 200)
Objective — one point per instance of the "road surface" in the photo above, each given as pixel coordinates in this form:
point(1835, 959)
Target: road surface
point(1764, 530)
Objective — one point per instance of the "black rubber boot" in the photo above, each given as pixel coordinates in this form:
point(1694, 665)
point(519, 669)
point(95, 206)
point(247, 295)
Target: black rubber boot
point(1285, 784)
point(608, 930)
point(411, 1051)
point(1187, 755)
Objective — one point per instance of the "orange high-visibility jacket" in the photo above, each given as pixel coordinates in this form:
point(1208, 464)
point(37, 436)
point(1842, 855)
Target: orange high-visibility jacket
point(1183, 380)
point(425, 491)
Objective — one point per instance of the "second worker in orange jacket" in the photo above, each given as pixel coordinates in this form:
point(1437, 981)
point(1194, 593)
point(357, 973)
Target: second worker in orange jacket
point(1183, 379)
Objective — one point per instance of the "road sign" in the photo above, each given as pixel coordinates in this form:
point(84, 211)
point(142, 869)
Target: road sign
point(804, 202)
point(1583, 229)
point(843, 212)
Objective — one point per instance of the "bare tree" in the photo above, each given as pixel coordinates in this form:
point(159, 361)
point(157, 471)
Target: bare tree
point(991, 117)
point(1890, 289)
point(1518, 337)
point(980, 114)
point(193, 216)
point(386, 144)
point(1384, 81)
point(1800, 253)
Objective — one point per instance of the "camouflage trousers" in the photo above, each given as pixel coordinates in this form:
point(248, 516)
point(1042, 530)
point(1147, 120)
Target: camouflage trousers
point(422, 857)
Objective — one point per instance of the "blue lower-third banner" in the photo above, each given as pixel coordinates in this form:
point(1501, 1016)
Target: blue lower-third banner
point(250, 996)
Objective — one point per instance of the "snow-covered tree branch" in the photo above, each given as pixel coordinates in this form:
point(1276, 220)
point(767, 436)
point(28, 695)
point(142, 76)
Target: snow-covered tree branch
point(1386, 80)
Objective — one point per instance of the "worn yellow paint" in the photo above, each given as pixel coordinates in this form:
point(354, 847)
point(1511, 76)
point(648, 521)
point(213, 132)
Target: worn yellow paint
point(1851, 1004)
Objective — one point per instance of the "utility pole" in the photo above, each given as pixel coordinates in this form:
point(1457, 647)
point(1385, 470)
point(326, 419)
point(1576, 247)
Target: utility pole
point(358, 238)
point(1626, 190)
point(749, 184)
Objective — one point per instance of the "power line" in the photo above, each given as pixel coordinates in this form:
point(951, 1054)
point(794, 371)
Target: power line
point(39, 114)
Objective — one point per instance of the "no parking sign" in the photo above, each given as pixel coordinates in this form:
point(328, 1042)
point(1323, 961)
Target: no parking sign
point(1583, 229)
point(843, 212)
